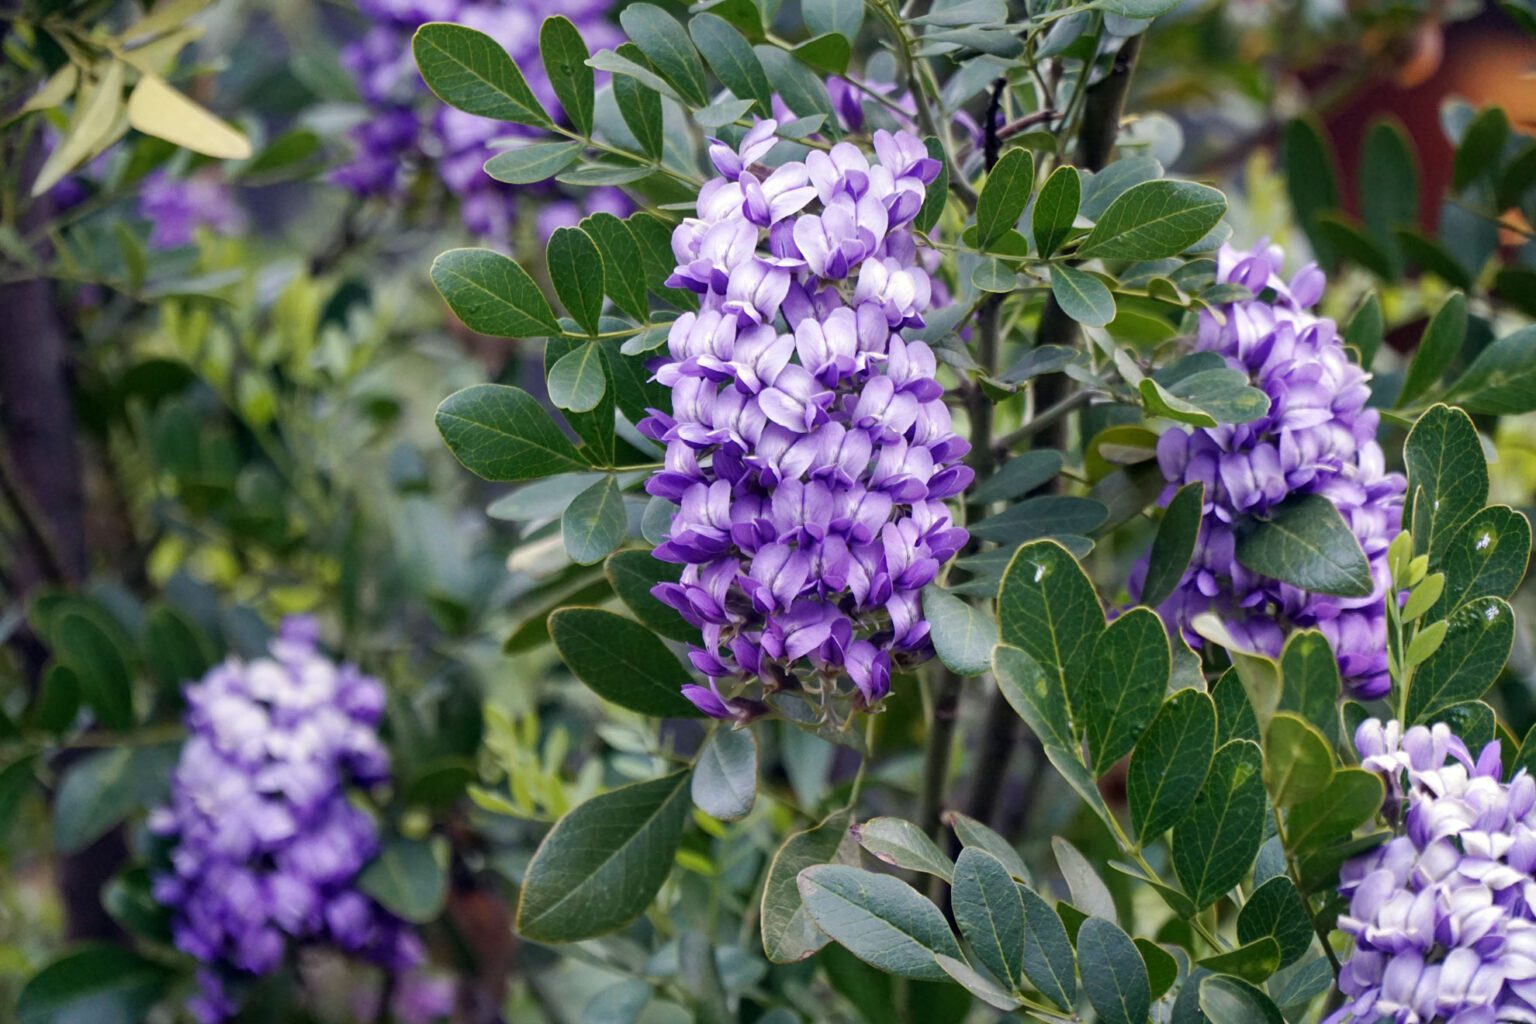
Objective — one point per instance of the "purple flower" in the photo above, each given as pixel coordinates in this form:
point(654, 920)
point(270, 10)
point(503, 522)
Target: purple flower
point(1318, 437)
point(1444, 914)
point(266, 844)
point(177, 207)
point(808, 446)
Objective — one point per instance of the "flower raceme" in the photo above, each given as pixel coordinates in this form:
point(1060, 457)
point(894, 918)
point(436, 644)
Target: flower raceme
point(1443, 915)
point(1318, 437)
point(808, 446)
point(267, 845)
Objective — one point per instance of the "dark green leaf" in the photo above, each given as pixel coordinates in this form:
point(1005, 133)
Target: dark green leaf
point(789, 934)
point(1162, 968)
point(468, 70)
point(1215, 844)
point(1174, 544)
point(1437, 348)
point(502, 433)
point(1366, 329)
point(1476, 646)
point(1311, 179)
point(901, 843)
point(1127, 677)
point(537, 161)
point(1298, 763)
point(1081, 295)
point(600, 866)
point(1481, 144)
point(1155, 220)
point(973, 833)
point(578, 380)
point(1048, 961)
point(1352, 798)
point(1170, 763)
point(1114, 976)
point(665, 43)
point(879, 919)
point(639, 105)
point(595, 426)
point(1502, 379)
point(623, 262)
point(593, 523)
point(101, 789)
point(576, 270)
point(1447, 472)
point(565, 55)
point(621, 661)
point(1344, 236)
point(94, 985)
point(963, 635)
point(990, 913)
point(1486, 558)
point(1431, 257)
point(725, 775)
point(1388, 185)
point(1226, 1000)
point(1253, 961)
point(492, 294)
point(1048, 609)
point(1275, 909)
point(1004, 196)
point(1235, 717)
point(1048, 515)
point(408, 879)
point(1018, 476)
point(730, 56)
point(177, 651)
point(1056, 209)
point(106, 684)
point(937, 194)
point(841, 16)
point(633, 574)
point(797, 85)
point(1306, 543)
point(1310, 681)
point(1089, 893)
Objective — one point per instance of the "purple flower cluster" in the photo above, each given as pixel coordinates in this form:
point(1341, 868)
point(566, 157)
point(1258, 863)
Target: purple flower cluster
point(267, 845)
point(402, 131)
point(808, 444)
point(177, 207)
point(1318, 437)
point(1443, 915)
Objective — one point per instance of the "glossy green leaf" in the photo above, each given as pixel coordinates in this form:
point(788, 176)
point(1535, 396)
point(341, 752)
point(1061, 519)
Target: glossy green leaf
point(1502, 379)
point(1298, 763)
point(639, 105)
point(621, 661)
point(1352, 798)
point(1081, 295)
point(788, 932)
point(1126, 679)
point(1486, 558)
point(1437, 349)
point(1017, 477)
point(963, 635)
point(492, 294)
point(592, 525)
point(1306, 543)
point(879, 919)
point(583, 371)
point(1048, 608)
point(990, 912)
point(577, 272)
point(725, 775)
point(502, 433)
point(94, 985)
point(1310, 683)
point(1162, 968)
point(1445, 461)
point(1215, 844)
point(1004, 196)
point(601, 865)
point(565, 55)
point(937, 194)
point(1228, 1000)
point(1169, 766)
point(408, 878)
point(1477, 644)
point(1253, 961)
point(632, 575)
point(1174, 544)
point(666, 44)
point(731, 58)
point(1155, 220)
point(1311, 180)
point(1275, 909)
point(1056, 209)
point(469, 70)
point(1114, 976)
point(901, 843)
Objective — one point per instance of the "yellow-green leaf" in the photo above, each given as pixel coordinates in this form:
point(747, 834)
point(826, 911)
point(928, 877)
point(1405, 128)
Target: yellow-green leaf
point(156, 109)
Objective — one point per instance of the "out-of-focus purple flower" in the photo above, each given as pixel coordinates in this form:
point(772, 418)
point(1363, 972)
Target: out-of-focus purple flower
point(1318, 437)
point(1444, 914)
point(808, 445)
point(177, 207)
point(267, 847)
point(408, 124)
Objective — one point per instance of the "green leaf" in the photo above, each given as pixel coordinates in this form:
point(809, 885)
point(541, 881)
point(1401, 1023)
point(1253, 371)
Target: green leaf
point(1481, 144)
point(1048, 961)
point(578, 380)
point(901, 843)
point(1477, 644)
point(1276, 910)
point(1486, 558)
point(1081, 295)
point(468, 70)
point(1366, 329)
point(725, 775)
point(1114, 975)
point(537, 161)
point(104, 787)
point(1215, 844)
point(502, 433)
point(1089, 893)
point(1174, 544)
point(1437, 348)
point(639, 105)
point(963, 635)
point(1155, 220)
point(844, 17)
point(1253, 962)
point(492, 294)
point(879, 919)
point(1235, 716)
point(1162, 968)
point(990, 912)
point(94, 985)
point(1004, 196)
point(565, 55)
point(595, 426)
point(1310, 683)
point(576, 270)
point(98, 109)
point(1056, 209)
point(990, 275)
point(408, 878)
point(1502, 379)
point(1170, 763)
point(1159, 401)
point(1048, 609)
point(1124, 685)
point(665, 43)
point(937, 194)
point(1306, 543)
point(621, 661)
point(1018, 476)
point(1445, 462)
point(1431, 257)
point(106, 684)
point(828, 53)
point(1311, 180)
point(623, 263)
point(633, 574)
point(1352, 798)
point(797, 85)
point(1138, 9)
point(978, 984)
point(1226, 1000)
point(1298, 763)
point(974, 834)
point(789, 934)
point(731, 58)
point(593, 523)
point(601, 865)
point(1388, 186)
point(1344, 236)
